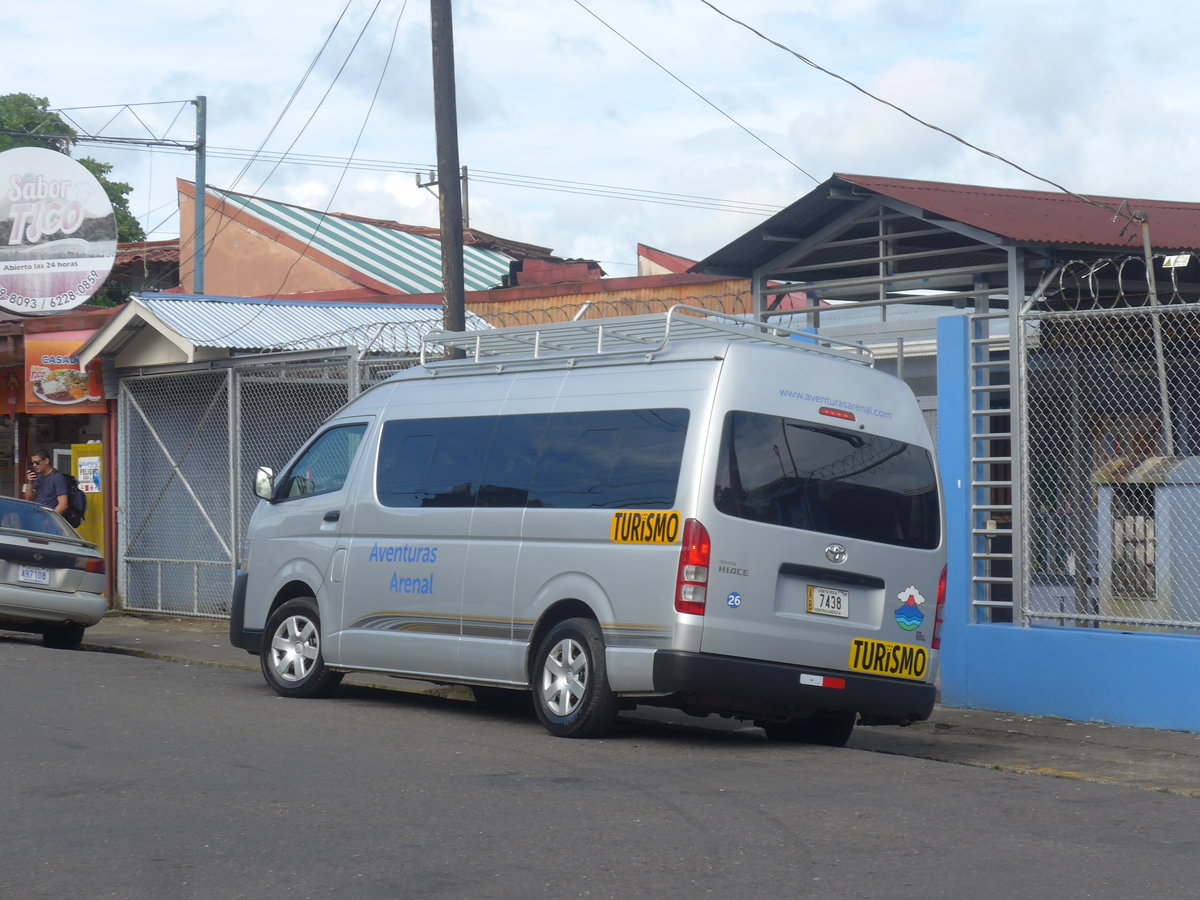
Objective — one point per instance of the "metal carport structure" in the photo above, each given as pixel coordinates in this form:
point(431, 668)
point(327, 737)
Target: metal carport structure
point(1012, 263)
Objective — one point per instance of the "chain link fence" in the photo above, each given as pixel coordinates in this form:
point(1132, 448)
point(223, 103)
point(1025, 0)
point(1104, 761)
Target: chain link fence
point(190, 441)
point(189, 445)
point(1110, 451)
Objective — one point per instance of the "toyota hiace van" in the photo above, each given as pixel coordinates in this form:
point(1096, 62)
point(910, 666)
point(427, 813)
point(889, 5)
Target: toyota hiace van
point(684, 510)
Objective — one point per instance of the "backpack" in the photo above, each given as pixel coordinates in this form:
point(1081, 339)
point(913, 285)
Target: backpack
point(76, 502)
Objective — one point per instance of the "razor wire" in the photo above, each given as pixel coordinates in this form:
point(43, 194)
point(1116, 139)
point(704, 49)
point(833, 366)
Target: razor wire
point(1110, 447)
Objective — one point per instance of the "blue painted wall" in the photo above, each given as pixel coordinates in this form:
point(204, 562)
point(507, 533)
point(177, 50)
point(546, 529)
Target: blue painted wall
point(1141, 679)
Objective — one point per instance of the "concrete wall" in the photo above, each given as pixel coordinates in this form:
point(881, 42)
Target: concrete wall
point(1140, 679)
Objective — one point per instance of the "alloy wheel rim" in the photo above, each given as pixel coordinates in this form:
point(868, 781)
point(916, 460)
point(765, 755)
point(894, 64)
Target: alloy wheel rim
point(564, 677)
point(294, 648)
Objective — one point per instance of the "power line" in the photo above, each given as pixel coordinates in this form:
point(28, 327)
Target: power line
point(246, 168)
point(633, 193)
point(366, 118)
point(510, 179)
point(996, 156)
point(790, 162)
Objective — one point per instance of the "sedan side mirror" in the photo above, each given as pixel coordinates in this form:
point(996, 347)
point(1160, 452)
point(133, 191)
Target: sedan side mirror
point(264, 482)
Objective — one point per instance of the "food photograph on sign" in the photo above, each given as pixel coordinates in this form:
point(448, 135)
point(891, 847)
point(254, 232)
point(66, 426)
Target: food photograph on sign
point(60, 385)
point(54, 378)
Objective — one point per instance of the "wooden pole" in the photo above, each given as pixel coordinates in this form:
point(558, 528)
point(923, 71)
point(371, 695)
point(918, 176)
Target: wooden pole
point(449, 194)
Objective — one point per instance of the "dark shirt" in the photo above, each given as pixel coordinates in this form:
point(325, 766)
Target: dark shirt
point(48, 488)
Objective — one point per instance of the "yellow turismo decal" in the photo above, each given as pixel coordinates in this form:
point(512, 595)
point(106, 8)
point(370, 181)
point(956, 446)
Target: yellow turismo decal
point(886, 658)
point(644, 527)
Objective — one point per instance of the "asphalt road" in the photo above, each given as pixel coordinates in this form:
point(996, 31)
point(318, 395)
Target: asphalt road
point(128, 777)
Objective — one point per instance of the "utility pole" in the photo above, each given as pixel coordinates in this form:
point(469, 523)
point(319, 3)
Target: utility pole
point(445, 116)
point(466, 193)
point(199, 202)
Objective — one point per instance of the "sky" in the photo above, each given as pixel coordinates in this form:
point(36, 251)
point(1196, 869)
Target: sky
point(648, 97)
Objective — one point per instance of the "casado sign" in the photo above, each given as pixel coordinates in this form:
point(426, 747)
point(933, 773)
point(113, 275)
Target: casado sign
point(58, 235)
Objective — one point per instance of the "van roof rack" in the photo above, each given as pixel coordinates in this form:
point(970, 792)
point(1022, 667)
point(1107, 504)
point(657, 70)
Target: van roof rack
point(645, 335)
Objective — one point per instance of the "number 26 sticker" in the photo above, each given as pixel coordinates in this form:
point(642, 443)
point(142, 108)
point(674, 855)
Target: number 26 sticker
point(734, 600)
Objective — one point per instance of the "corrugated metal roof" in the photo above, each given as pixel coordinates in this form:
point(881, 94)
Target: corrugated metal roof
point(235, 323)
point(1025, 217)
point(1046, 217)
point(409, 263)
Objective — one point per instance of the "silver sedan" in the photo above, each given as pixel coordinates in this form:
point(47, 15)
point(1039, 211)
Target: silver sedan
point(51, 579)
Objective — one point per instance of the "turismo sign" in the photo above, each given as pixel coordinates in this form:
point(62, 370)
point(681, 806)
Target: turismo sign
point(58, 235)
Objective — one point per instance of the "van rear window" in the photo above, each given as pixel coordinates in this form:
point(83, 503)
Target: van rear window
point(829, 480)
point(606, 459)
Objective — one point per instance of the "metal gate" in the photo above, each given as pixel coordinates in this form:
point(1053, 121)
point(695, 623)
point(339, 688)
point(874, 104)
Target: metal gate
point(189, 442)
point(1110, 454)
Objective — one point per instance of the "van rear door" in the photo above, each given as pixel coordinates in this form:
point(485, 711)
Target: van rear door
point(826, 546)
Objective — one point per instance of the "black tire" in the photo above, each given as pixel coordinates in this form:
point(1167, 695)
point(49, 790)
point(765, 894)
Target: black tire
point(291, 659)
point(828, 729)
point(63, 637)
point(571, 695)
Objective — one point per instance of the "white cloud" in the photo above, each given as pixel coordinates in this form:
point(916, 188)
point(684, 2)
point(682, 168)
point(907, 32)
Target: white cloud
point(1094, 94)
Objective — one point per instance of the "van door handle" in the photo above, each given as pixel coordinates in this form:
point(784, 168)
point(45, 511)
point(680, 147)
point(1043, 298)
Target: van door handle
point(332, 515)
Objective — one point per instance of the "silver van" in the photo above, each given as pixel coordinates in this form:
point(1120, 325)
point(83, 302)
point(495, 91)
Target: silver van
point(681, 510)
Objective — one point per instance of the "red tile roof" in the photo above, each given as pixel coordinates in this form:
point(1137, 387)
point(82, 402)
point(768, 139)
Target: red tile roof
point(150, 251)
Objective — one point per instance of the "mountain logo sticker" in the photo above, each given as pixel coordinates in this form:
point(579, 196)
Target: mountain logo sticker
point(909, 615)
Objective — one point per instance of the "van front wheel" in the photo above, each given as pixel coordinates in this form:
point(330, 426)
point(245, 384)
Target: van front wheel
point(570, 681)
point(292, 661)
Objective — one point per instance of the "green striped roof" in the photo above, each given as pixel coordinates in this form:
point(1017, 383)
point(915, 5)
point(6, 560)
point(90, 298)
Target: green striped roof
point(409, 263)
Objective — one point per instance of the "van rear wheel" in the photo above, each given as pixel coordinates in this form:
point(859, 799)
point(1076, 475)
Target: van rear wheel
point(570, 681)
point(828, 729)
point(292, 661)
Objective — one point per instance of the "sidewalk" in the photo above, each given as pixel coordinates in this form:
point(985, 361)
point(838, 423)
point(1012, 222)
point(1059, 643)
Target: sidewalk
point(1167, 761)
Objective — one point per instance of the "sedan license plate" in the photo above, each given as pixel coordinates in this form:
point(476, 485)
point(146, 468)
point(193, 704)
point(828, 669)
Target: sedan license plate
point(828, 601)
point(33, 575)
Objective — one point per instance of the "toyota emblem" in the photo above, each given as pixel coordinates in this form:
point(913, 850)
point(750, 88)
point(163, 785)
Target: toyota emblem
point(836, 554)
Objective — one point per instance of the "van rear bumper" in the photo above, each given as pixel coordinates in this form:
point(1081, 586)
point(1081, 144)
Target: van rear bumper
point(754, 688)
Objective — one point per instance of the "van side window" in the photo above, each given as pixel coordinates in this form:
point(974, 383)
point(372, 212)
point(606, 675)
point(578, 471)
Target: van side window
point(432, 462)
point(508, 468)
point(829, 480)
point(323, 467)
point(602, 459)
point(613, 459)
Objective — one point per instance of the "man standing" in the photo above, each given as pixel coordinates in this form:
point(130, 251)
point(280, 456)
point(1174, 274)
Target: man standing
point(44, 484)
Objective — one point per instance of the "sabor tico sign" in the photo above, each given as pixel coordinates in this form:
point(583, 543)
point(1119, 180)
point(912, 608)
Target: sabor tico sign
point(58, 235)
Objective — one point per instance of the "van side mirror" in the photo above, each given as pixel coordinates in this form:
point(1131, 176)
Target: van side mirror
point(264, 482)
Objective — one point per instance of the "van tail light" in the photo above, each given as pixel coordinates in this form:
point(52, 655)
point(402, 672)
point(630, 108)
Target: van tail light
point(939, 613)
point(691, 584)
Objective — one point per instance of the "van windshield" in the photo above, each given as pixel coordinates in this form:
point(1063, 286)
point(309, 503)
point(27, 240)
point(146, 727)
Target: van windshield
point(829, 480)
